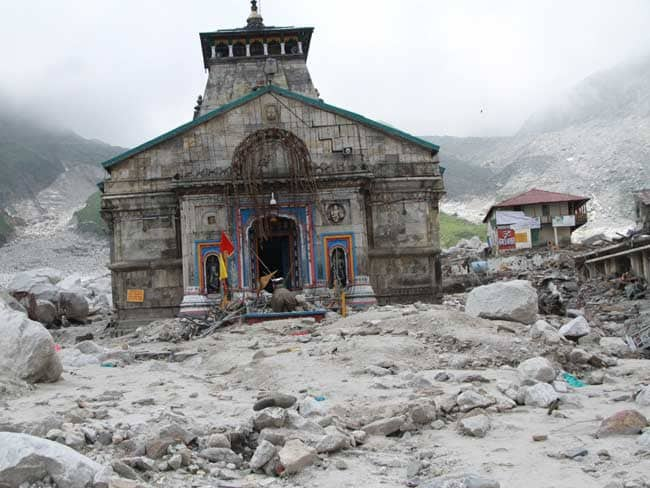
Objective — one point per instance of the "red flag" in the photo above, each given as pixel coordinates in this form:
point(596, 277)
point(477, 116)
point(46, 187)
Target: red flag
point(226, 245)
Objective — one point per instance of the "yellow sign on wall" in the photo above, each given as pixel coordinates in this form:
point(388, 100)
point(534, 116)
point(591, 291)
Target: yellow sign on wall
point(521, 237)
point(135, 296)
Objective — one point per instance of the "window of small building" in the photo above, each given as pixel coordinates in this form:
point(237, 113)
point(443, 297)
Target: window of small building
point(221, 50)
point(291, 47)
point(274, 48)
point(257, 49)
point(546, 210)
point(239, 50)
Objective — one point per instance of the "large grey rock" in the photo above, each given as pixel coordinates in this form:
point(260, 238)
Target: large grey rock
point(22, 280)
point(544, 331)
point(45, 312)
point(27, 348)
point(12, 302)
point(263, 454)
point(27, 459)
point(274, 400)
point(270, 417)
point(295, 456)
point(461, 481)
point(540, 395)
point(504, 300)
point(536, 369)
point(221, 454)
point(334, 441)
point(576, 328)
point(157, 444)
point(614, 346)
point(470, 399)
point(475, 426)
point(73, 305)
point(384, 426)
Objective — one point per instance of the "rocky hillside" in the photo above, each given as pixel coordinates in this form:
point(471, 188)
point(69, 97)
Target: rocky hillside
point(44, 170)
point(595, 141)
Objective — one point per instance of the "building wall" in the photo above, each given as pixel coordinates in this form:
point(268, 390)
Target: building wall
point(389, 186)
point(231, 79)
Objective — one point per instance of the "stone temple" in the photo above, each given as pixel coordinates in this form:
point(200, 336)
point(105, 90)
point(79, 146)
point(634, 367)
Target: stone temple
point(321, 195)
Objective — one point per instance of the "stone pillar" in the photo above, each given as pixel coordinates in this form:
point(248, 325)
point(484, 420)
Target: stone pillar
point(214, 51)
point(248, 50)
point(230, 51)
point(300, 47)
point(266, 49)
point(282, 51)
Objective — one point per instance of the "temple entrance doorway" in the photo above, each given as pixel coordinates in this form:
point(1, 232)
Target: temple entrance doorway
point(275, 248)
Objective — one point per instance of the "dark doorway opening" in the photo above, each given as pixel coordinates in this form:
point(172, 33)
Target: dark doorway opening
point(278, 252)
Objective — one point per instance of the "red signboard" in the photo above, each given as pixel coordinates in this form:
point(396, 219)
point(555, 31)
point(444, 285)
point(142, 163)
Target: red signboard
point(506, 239)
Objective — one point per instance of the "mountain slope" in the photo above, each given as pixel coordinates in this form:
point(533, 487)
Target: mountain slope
point(594, 142)
point(33, 156)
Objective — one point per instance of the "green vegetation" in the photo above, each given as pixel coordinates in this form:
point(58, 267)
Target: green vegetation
point(6, 227)
point(89, 218)
point(453, 229)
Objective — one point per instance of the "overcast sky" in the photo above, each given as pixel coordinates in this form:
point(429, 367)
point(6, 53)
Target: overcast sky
point(125, 71)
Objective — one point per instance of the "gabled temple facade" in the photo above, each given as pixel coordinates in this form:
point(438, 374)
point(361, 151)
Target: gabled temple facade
point(322, 196)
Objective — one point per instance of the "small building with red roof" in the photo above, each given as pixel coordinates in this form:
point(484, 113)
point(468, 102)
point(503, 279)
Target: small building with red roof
point(535, 218)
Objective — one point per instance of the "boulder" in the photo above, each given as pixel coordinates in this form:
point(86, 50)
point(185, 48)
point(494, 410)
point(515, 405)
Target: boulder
point(221, 454)
point(73, 305)
point(540, 395)
point(475, 426)
point(614, 346)
point(384, 426)
point(461, 481)
point(156, 446)
point(27, 348)
point(470, 399)
point(295, 456)
point(576, 328)
point(19, 281)
point(544, 331)
point(334, 441)
point(45, 312)
point(625, 422)
point(275, 400)
point(262, 455)
point(28, 459)
point(270, 417)
point(536, 369)
point(13, 304)
point(643, 397)
point(505, 300)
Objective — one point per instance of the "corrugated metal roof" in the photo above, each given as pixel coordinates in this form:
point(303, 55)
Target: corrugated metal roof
point(536, 196)
point(258, 93)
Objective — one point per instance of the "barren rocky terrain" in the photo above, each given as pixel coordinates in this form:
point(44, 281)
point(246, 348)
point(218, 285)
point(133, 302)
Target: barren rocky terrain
point(417, 395)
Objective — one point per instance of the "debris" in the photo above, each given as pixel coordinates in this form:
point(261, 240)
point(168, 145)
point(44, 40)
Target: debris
point(28, 459)
point(575, 329)
point(572, 380)
point(295, 456)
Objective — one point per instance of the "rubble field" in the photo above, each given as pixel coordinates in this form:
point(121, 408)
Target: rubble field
point(528, 380)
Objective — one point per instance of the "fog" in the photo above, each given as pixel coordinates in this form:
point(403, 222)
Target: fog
point(125, 71)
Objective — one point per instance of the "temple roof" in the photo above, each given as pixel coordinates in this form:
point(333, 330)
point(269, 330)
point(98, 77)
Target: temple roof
point(391, 131)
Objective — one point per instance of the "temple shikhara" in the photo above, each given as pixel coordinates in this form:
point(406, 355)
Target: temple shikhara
point(322, 196)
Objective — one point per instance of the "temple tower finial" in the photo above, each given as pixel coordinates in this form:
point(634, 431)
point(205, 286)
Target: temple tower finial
point(255, 20)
